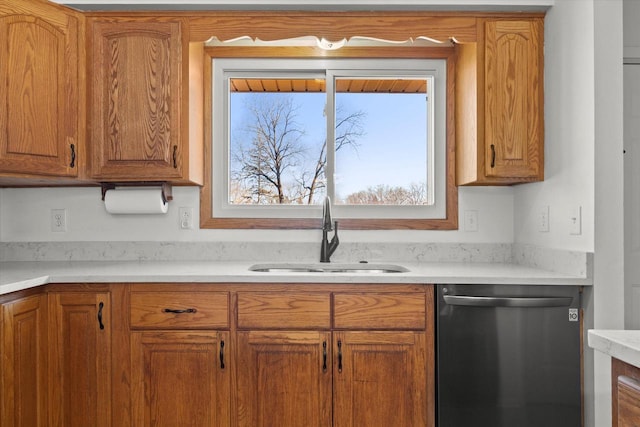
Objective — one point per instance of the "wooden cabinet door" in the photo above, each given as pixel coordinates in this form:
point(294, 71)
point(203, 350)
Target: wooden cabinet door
point(284, 379)
point(135, 106)
point(380, 379)
point(39, 88)
point(80, 359)
point(628, 402)
point(24, 362)
point(514, 143)
point(180, 378)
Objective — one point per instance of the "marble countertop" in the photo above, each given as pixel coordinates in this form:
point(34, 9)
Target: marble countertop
point(15, 276)
point(622, 344)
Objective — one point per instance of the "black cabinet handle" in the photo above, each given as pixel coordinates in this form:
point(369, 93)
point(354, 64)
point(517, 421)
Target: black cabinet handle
point(174, 311)
point(221, 354)
point(175, 157)
point(324, 356)
point(73, 156)
point(339, 356)
point(100, 307)
point(493, 156)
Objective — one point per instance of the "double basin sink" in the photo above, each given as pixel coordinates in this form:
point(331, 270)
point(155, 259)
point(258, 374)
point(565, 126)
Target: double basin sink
point(359, 268)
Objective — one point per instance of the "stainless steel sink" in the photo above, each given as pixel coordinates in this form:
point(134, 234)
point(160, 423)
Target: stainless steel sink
point(359, 268)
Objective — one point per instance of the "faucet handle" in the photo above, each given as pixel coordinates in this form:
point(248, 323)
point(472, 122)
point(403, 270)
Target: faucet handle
point(327, 224)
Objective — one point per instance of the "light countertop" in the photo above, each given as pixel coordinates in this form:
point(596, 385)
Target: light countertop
point(622, 344)
point(15, 276)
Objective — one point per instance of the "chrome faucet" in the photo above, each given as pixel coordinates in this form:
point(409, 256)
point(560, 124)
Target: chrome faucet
point(327, 247)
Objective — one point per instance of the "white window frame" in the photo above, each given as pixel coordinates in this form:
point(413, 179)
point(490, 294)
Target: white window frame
point(331, 68)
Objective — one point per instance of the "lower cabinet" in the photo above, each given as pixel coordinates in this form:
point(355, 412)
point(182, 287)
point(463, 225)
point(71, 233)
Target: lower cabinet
point(180, 378)
point(363, 361)
point(218, 355)
point(625, 387)
point(284, 378)
point(80, 359)
point(380, 379)
point(24, 362)
point(180, 360)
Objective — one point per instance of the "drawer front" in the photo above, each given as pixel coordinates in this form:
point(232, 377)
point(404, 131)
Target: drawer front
point(379, 311)
point(268, 310)
point(180, 310)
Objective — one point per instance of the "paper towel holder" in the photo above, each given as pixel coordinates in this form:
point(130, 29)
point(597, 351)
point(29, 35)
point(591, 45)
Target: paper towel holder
point(167, 194)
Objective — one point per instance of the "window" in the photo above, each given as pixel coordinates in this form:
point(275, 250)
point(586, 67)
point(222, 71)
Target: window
point(371, 134)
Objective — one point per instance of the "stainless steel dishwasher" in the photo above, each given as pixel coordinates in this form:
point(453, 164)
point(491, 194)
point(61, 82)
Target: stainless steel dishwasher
point(508, 356)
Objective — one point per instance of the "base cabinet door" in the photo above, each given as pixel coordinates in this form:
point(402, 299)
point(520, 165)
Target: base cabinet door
point(625, 394)
point(24, 362)
point(628, 402)
point(80, 355)
point(284, 379)
point(380, 379)
point(180, 378)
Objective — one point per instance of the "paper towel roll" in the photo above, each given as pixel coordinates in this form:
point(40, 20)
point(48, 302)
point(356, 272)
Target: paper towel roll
point(135, 201)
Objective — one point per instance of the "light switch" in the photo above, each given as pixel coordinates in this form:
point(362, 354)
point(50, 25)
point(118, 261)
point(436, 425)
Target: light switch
point(575, 221)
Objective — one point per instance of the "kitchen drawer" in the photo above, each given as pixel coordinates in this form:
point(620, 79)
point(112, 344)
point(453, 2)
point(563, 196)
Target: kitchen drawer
point(373, 310)
point(180, 310)
point(268, 310)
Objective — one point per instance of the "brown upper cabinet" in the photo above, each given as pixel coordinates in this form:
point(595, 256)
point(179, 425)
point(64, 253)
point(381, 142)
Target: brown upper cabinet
point(499, 104)
point(139, 101)
point(41, 87)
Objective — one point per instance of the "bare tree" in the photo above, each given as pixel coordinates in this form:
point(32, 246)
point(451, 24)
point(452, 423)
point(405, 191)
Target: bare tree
point(275, 147)
point(348, 130)
point(277, 150)
point(387, 195)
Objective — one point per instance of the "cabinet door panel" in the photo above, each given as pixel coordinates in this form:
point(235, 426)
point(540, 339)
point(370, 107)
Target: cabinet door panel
point(136, 107)
point(180, 379)
point(380, 379)
point(80, 354)
point(628, 402)
point(282, 379)
point(513, 117)
point(39, 86)
point(24, 362)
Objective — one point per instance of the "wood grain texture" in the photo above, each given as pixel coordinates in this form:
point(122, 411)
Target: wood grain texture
point(282, 381)
point(379, 311)
point(23, 400)
point(395, 26)
point(628, 402)
point(268, 310)
point(137, 95)
point(80, 359)
point(625, 394)
point(512, 99)
point(40, 89)
point(383, 379)
point(178, 380)
point(505, 69)
point(148, 310)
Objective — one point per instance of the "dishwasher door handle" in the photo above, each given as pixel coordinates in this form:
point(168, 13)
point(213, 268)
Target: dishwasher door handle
point(486, 301)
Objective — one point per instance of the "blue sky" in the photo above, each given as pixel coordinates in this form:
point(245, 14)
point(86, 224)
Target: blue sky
point(392, 151)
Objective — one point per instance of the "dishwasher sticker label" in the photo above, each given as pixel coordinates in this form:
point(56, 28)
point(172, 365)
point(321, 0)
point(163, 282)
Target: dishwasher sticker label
point(573, 315)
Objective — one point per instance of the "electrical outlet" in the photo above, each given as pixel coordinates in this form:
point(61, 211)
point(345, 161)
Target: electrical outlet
point(543, 219)
point(58, 220)
point(186, 218)
point(470, 220)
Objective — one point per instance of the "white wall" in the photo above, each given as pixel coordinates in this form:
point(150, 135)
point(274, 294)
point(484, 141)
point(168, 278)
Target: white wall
point(569, 133)
point(25, 217)
point(583, 166)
